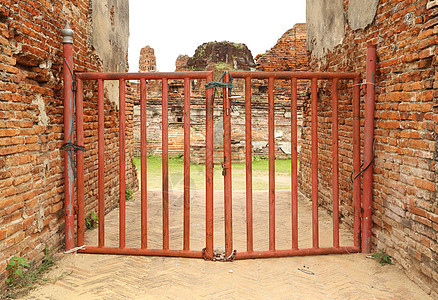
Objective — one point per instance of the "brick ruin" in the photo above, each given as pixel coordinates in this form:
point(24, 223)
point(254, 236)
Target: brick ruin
point(181, 62)
point(147, 61)
point(291, 46)
point(31, 118)
point(219, 56)
point(289, 54)
point(405, 203)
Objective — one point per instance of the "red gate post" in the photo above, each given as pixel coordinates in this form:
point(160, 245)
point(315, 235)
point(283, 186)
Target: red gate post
point(165, 160)
point(67, 40)
point(101, 160)
point(80, 163)
point(368, 148)
point(271, 145)
point(356, 161)
point(335, 162)
point(186, 164)
point(209, 172)
point(143, 176)
point(294, 164)
point(248, 158)
point(227, 168)
point(314, 128)
point(122, 164)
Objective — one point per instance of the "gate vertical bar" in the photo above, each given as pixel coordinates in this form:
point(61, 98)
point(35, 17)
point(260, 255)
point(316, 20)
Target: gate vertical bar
point(101, 161)
point(248, 156)
point(209, 172)
point(335, 162)
point(186, 245)
point(271, 143)
point(122, 164)
point(143, 153)
point(80, 162)
point(165, 161)
point(294, 167)
point(314, 122)
point(368, 148)
point(356, 161)
point(67, 40)
point(227, 169)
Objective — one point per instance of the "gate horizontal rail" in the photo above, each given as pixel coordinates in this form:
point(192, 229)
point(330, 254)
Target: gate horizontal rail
point(290, 75)
point(146, 76)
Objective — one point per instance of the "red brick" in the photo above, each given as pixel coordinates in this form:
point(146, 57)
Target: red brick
point(2, 234)
point(7, 132)
point(432, 217)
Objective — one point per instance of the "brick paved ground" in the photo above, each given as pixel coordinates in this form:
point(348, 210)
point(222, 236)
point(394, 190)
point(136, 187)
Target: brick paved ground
point(351, 276)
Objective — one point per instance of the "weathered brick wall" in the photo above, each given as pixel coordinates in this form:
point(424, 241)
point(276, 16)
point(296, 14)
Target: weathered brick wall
point(197, 117)
point(405, 203)
point(31, 125)
point(288, 54)
point(181, 62)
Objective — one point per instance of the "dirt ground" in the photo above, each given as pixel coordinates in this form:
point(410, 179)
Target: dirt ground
point(349, 276)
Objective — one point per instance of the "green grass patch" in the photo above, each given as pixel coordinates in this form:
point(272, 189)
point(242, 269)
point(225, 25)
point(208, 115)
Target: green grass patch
point(24, 278)
point(197, 174)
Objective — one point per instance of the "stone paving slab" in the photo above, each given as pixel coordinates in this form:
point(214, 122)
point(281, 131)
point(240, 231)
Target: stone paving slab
point(350, 276)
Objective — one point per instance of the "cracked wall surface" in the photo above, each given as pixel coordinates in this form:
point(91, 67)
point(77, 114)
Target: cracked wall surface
point(109, 39)
point(323, 17)
point(361, 13)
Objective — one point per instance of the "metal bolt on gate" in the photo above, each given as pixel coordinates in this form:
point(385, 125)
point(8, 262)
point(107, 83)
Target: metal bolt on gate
point(207, 252)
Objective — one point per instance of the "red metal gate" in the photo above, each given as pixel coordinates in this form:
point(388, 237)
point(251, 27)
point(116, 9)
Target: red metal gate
point(292, 77)
point(207, 252)
point(143, 250)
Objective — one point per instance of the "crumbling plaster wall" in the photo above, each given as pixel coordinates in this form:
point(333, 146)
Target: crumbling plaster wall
point(110, 33)
point(109, 39)
point(405, 206)
point(361, 13)
point(324, 16)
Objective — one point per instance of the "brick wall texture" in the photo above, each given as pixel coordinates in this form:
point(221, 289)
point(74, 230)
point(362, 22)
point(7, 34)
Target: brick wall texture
point(31, 126)
point(288, 54)
point(197, 119)
point(405, 203)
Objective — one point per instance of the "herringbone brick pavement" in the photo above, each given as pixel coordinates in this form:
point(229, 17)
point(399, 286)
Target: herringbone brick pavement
point(351, 276)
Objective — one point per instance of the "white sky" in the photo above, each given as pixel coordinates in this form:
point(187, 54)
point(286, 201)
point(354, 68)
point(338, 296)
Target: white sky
point(174, 27)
